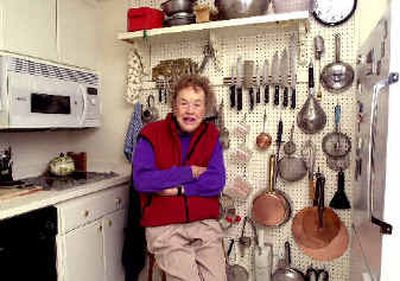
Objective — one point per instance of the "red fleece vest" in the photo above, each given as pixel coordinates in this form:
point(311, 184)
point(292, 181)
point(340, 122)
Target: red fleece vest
point(163, 210)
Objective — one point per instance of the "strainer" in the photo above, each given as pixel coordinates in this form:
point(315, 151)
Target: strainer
point(311, 118)
point(336, 144)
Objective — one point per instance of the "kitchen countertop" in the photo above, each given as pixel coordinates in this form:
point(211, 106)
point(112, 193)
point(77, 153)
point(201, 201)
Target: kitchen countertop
point(43, 198)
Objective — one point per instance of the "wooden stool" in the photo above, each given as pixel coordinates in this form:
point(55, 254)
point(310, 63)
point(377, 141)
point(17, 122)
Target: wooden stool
point(152, 263)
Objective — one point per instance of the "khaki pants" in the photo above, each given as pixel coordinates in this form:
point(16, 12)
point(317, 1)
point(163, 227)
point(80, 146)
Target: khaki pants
point(189, 252)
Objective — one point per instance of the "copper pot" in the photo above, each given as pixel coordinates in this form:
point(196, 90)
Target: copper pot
point(271, 207)
point(264, 140)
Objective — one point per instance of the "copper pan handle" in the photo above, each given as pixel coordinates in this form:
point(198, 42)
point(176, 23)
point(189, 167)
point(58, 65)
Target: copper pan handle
point(271, 173)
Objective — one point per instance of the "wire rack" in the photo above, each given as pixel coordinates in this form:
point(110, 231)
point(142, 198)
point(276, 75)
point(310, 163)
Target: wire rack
point(258, 44)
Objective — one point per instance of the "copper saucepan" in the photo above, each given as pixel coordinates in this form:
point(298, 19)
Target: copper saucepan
point(271, 207)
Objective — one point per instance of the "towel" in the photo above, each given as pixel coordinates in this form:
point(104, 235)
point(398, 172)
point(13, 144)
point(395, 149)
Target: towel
point(134, 127)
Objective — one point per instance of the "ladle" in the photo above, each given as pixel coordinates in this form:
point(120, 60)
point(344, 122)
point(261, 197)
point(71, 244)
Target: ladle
point(264, 140)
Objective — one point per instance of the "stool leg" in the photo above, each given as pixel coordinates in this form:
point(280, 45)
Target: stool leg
point(150, 270)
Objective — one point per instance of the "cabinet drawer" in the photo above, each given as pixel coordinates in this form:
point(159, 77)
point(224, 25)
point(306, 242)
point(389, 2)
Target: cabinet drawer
point(83, 210)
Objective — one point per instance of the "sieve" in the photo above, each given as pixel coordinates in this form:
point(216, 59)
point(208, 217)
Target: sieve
point(336, 143)
point(291, 168)
point(311, 118)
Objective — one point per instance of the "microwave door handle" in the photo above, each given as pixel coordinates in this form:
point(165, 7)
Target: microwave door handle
point(84, 108)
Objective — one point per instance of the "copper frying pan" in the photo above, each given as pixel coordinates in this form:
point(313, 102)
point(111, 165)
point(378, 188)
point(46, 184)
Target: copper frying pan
point(335, 249)
point(315, 227)
point(271, 208)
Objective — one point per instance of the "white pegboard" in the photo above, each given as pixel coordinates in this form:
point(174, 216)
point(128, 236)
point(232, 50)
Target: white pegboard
point(258, 44)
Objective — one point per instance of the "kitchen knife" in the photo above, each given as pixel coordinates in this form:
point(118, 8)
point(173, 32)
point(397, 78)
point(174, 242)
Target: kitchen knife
point(293, 66)
point(239, 89)
point(284, 77)
point(275, 76)
point(251, 90)
point(232, 88)
point(266, 81)
point(258, 84)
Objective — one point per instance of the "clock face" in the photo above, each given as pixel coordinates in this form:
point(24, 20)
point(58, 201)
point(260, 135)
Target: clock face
point(333, 12)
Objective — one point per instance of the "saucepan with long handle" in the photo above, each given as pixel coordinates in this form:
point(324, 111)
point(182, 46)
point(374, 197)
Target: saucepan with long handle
point(271, 207)
point(337, 76)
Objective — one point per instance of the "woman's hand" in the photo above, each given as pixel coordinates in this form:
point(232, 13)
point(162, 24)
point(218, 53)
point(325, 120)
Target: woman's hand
point(197, 171)
point(168, 192)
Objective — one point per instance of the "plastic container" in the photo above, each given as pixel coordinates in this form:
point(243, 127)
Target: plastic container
point(144, 18)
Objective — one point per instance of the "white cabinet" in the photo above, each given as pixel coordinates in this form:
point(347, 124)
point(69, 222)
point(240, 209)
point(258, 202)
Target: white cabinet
point(64, 31)
point(29, 27)
point(90, 238)
point(78, 22)
point(113, 230)
point(83, 259)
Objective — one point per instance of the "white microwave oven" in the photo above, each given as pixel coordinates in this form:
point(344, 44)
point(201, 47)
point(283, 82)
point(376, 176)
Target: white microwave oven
point(38, 95)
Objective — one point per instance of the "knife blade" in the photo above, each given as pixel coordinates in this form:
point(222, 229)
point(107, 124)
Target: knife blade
point(284, 77)
point(232, 88)
point(258, 84)
point(275, 76)
point(266, 81)
point(239, 89)
point(293, 66)
point(251, 89)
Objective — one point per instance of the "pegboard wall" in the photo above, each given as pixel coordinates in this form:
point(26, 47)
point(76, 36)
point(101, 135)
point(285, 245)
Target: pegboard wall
point(258, 44)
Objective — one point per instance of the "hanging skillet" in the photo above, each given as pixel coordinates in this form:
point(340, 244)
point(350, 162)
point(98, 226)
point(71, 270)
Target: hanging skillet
point(337, 76)
point(271, 207)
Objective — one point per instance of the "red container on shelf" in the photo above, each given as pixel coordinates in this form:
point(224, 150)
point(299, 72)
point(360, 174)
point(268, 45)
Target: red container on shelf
point(144, 18)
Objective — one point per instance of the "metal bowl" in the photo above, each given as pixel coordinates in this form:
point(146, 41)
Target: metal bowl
point(180, 19)
point(230, 9)
point(171, 7)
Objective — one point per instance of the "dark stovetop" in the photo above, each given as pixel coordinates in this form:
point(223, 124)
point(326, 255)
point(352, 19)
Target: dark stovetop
point(48, 181)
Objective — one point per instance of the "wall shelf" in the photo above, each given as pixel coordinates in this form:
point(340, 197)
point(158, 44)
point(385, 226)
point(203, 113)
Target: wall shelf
point(213, 25)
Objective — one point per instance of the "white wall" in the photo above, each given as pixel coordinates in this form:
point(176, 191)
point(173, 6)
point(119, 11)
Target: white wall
point(369, 12)
point(33, 150)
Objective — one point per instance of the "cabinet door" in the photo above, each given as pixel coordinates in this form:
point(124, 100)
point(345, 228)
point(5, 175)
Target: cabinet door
point(78, 33)
point(113, 226)
point(29, 27)
point(83, 254)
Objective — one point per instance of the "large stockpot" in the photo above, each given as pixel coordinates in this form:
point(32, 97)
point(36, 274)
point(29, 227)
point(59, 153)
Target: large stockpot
point(230, 9)
point(271, 207)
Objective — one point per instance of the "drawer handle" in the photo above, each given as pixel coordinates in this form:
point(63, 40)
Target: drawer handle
point(86, 213)
point(118, 201)
point(109, 222)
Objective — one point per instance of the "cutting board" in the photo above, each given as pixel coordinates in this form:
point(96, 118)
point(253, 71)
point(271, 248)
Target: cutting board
point(11, 192)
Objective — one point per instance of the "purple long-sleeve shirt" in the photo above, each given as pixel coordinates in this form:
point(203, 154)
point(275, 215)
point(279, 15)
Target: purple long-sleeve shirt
point(148, 178)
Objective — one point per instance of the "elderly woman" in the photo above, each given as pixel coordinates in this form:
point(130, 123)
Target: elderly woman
point(179, 172)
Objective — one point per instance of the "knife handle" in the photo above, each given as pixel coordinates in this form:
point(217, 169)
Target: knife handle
point(239, 99)
point(276, 95)
point(293, 99)
point(160, 92)
point(258, 95)
point(266, 94)
point(279, 132)
point(310, 76)
point(232, 95)
point(251, 98)
point(285, 101)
